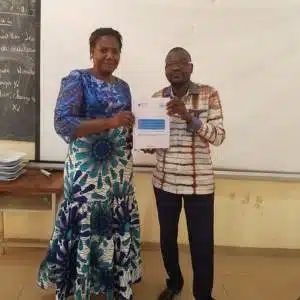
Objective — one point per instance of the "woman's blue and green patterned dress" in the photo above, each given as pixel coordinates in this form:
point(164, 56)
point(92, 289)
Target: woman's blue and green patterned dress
point(95, 246)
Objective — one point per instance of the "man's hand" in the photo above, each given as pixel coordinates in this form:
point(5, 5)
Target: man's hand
point(177, 107)
point(148, 151)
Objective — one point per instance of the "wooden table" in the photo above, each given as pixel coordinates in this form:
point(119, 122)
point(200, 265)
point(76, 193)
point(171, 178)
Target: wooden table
point(32, 192)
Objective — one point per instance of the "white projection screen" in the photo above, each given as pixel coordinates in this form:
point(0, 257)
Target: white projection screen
point(248, 50)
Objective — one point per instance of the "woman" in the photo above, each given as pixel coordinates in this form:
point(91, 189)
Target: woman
point(95, 247)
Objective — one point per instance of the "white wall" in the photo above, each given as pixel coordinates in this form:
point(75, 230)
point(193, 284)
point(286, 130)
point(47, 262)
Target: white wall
point(249, 50)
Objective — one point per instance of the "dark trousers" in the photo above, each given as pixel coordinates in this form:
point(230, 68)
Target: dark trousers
point(199, 210)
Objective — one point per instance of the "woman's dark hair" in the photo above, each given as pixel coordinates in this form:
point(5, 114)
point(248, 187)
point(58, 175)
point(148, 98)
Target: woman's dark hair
point(104, 32)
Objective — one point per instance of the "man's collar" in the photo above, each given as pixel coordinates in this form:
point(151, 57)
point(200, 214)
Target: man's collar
point(194, 89)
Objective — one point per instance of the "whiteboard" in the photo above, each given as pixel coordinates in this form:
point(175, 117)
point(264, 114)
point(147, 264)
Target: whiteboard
point(248, 50)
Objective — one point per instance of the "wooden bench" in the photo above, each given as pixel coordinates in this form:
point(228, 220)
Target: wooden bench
point(31, 192)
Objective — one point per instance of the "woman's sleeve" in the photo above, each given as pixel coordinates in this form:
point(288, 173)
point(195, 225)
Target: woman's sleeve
point(129, 108)
point(68, 110)
point(128, 96)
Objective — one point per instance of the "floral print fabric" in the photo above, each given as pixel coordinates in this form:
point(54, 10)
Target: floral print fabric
point(95, 246)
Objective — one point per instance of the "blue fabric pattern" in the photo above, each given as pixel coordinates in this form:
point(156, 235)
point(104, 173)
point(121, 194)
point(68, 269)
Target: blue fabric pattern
point(95, 246)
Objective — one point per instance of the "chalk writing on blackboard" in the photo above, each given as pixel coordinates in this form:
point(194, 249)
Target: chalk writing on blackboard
point(17, 69)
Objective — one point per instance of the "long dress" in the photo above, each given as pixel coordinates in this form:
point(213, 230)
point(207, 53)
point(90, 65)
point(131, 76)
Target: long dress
point(95, 246)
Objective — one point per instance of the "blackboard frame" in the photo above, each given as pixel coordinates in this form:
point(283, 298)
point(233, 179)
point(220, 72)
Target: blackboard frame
point(38, 79)
point(11, 11)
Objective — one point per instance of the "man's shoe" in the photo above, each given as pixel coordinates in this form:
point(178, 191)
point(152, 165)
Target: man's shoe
point(168, 294)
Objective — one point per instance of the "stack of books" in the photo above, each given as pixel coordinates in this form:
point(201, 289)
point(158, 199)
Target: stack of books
point(12, 165)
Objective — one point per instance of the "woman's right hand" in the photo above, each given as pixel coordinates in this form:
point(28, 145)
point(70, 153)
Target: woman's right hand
point(123, 118)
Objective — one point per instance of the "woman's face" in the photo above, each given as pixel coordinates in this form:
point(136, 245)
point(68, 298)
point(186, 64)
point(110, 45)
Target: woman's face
point(106, 55)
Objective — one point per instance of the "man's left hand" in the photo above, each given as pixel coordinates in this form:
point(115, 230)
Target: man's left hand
point(177, 108)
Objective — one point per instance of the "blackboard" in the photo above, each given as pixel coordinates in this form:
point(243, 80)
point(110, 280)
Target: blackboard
point(18, 109)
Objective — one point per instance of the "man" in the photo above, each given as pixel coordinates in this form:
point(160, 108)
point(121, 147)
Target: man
point(185, 171)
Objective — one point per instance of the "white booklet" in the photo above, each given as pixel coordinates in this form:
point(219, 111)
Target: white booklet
point(152, 124)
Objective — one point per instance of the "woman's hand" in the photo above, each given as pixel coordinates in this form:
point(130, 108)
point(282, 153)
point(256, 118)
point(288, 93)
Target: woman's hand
point(123, 118)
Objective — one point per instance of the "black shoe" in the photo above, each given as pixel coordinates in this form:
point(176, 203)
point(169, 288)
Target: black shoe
point(168, 294)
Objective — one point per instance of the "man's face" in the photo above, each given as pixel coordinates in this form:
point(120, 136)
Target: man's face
point(178, 68)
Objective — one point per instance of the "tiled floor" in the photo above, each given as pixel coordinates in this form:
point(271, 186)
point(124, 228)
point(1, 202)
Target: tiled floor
point(237, 277)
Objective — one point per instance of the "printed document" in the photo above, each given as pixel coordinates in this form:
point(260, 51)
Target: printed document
point(152, 124)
